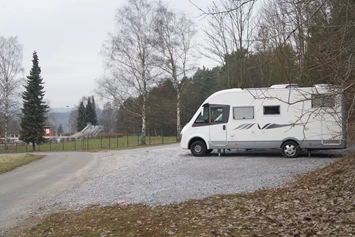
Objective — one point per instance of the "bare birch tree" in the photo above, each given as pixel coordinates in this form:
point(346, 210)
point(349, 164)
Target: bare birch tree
point(229, 29)
point(10, 79)
point(174, 49)
point(129, 58)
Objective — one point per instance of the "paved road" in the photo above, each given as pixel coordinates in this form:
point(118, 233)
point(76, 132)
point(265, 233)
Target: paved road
point(22, 187)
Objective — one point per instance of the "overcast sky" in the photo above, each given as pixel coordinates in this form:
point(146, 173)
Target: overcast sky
point(67, 36)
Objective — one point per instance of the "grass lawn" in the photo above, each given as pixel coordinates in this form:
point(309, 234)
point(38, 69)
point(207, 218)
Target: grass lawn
point(97, 144)
point(321, 203)
point(10, 162)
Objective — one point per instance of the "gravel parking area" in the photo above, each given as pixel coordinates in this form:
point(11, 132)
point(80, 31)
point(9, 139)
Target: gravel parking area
point(167, 174)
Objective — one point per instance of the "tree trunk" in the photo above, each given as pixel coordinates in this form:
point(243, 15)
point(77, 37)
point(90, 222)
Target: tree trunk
point(143, 120)
point(6, 114)
point(33, 146)
point(143, 130)
point(178, 120)
point(301, 41)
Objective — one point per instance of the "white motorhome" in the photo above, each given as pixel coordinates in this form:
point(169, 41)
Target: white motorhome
point(285, 117)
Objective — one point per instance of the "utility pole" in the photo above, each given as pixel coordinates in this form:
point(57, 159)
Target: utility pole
point(68, 118)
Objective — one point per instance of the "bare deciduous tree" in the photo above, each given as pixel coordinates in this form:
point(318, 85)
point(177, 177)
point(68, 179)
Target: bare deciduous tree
point(322, 34)
point(174, 48)
point(73, 117)
point(10, 69)
point(129, 58)
point(229, 30)
point(108, 118)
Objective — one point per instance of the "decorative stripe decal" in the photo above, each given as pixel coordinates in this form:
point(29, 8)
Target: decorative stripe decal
point(251, 125)
point(247, 126)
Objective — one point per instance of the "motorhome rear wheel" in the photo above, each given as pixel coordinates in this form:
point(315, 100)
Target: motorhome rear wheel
point(290, 149)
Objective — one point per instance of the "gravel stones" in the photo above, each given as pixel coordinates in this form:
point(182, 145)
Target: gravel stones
point(167, 174)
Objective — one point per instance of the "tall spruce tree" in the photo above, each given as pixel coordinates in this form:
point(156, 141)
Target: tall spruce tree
point(94, 109)
point(60, 130)
point(34, 108)
point(81, 120)
point(91, 113)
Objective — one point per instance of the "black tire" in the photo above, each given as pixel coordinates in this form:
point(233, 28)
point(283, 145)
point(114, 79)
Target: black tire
point(290, 149)
point(198, 148)
point(208, 151)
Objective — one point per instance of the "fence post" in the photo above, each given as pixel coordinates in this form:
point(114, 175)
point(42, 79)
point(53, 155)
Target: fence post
point(26, 147)
point(16, 147)
point(162, 135)
point(39, 147)
point(117, 140)
point(138, 138)
point(50, 145)
point(87, 144)
point(63, 146)
point(149, 138)
point(74, 144)
point(127, 139)
point(101, 142)
point(109, 142)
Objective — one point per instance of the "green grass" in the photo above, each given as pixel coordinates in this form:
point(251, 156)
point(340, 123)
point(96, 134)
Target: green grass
point(10, 162)
point(96, 144)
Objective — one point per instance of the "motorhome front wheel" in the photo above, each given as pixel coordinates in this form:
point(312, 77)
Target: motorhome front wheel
point(198, 148)
point(290, 149)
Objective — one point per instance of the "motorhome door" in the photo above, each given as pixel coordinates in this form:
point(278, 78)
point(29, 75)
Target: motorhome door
point(218, 125)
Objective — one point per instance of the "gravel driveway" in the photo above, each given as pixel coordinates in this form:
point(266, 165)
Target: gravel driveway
point(168, 174)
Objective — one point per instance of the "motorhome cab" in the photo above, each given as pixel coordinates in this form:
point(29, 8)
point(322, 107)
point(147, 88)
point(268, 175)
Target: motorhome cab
point(285, 117)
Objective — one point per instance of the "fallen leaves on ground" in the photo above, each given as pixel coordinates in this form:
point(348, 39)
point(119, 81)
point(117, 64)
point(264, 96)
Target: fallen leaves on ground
point(321, 203)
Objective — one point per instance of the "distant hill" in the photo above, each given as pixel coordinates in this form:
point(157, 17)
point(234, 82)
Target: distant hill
point(60, 116)
point(61, 110)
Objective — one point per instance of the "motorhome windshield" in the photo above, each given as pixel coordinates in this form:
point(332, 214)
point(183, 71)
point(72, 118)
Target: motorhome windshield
point(204, 116)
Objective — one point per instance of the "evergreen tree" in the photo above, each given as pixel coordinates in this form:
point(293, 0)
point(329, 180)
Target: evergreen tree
point(91, 113)
point(34, 108)
point(81, 120)
point(60, 129)
point(95, 120)
point(93, 103)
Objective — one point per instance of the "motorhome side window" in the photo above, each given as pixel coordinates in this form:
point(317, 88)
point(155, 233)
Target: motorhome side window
point(271, 109)
point(243, 112)
point(323, 101)
point(205, 117)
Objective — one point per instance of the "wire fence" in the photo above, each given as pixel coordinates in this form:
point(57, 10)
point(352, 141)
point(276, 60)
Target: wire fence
point(103, 141)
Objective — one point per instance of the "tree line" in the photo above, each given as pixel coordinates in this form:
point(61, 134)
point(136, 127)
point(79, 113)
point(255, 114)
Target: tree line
point(151, 79)
point(283, 41)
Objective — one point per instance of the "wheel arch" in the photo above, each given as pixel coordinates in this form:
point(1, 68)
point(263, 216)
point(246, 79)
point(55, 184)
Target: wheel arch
point(290, 139)
point(196, 139)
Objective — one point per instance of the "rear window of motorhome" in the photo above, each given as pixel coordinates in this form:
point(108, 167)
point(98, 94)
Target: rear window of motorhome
point(323, 101)
point(243, 112)
point(271, 110)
